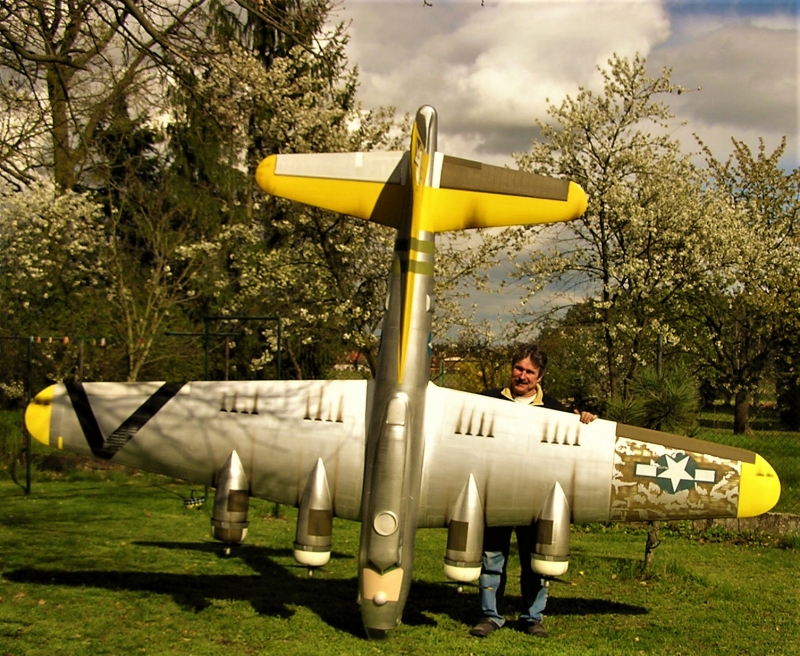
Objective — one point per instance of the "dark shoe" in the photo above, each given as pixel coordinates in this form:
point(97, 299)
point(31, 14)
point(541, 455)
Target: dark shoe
point(535, 629)
point(484, 628)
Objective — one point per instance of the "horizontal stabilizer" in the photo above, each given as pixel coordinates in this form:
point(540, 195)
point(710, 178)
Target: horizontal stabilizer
point(368, 186)
point(475, 195)
point(463, 194)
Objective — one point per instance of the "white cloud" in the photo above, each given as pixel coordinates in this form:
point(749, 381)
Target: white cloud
point(748, 77)
point(490, 70)
point(747, 68)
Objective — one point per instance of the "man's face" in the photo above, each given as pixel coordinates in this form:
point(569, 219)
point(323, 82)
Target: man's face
point(525, 376)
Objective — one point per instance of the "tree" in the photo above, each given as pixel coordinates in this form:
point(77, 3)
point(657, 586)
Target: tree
point(163, 111)
point(178, 200)
point(145, 268)
point(629, 253)
point(788, 383)
point(746, 305)
point(576, 371)
point(665, 401)
point(49, 244)
point(66, 65)
point(322, 273)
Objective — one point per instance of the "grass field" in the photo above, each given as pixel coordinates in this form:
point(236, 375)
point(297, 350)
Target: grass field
point(120, 566)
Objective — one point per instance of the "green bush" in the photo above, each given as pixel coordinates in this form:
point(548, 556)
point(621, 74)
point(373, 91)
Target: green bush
point(667, 402)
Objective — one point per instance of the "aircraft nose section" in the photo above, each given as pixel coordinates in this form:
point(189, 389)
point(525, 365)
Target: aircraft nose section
point(37, 415)
point(759, 488)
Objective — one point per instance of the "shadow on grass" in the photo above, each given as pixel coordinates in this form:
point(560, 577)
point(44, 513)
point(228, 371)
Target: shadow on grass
point(443, 598)
point(276, 589)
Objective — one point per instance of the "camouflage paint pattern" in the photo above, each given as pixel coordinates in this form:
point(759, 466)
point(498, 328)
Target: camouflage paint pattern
point(654, 482)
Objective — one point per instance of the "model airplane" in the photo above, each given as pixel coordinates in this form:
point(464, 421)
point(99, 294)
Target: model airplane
point(397, 452)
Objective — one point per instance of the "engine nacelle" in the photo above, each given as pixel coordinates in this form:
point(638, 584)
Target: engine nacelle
point(550, 555)
point(312, 544)
point(231, 502)
point(462, 561)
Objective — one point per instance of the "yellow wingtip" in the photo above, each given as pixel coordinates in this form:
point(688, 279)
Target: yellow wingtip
point(759, 488)
point(265, 173)
point(579, 199)
point(37, 415)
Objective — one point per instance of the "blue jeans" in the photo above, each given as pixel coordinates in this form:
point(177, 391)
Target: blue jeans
point(496, 544)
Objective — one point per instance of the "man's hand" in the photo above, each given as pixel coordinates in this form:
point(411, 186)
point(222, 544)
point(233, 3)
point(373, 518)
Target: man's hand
point(586, 417)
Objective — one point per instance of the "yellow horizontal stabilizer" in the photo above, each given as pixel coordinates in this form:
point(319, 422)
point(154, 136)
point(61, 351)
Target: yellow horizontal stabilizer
point(452, 209)
point(365, 185)
point(463, 194)
point(475, 195)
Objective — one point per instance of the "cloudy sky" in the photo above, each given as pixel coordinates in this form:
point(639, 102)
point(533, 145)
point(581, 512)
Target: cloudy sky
point(489, 69)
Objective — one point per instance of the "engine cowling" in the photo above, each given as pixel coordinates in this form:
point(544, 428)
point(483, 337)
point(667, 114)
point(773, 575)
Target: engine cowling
point(312, 544)
point(462, 561)
point(550, 555)
point(231, 502)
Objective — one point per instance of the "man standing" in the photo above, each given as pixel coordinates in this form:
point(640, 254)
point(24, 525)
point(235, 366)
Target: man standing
point(527, 369)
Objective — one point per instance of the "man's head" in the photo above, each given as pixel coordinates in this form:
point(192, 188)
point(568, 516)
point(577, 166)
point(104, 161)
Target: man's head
point(527, 369)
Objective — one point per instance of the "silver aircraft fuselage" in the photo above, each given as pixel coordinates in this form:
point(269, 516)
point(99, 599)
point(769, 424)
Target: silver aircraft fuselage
point(395, 432)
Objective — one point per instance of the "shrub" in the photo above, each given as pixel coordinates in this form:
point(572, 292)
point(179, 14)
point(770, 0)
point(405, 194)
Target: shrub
point(667, 402)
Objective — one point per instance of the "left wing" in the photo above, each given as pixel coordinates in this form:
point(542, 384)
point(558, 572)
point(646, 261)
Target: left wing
point(279, 430)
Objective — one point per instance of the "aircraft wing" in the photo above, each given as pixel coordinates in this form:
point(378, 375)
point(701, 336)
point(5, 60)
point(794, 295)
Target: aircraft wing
point(608, 471)
point(280, 429)
point(462, 193)
point(515, 454)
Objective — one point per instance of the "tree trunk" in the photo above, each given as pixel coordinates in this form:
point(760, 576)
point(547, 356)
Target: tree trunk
point(741, 412)
point(298, 370)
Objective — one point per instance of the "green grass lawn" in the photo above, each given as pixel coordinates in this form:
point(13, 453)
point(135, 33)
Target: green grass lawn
point(122, 567)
